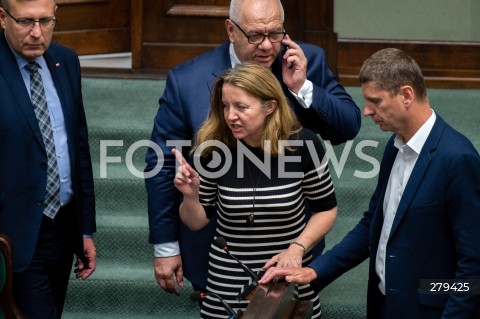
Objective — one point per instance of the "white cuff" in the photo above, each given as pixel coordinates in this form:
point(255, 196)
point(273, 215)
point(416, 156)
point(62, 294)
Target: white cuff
point(167, 249)
point(305, 95)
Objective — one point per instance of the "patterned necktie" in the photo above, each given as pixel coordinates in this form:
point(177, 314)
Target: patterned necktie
point(39, 101)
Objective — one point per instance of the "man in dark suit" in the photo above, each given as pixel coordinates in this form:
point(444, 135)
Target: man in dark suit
point(47, 205)
point(255, 30)
point(421, 230)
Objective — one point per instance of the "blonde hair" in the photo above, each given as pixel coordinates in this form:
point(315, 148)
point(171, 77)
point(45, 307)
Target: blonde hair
point(259, 82)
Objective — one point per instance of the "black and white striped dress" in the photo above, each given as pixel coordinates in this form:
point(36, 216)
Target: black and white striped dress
point(278, 215)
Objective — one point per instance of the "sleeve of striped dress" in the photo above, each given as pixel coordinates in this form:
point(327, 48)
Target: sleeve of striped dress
point(208, 191)
point(317, 182)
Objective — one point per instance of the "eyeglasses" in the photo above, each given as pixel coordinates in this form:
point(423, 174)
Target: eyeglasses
point(259, 38)
point(47, 22)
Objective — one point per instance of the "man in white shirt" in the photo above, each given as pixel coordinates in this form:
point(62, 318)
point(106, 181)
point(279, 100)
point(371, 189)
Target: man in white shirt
point(421, 228)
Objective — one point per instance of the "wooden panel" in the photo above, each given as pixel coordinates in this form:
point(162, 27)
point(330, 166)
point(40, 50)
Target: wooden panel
point(60, 2)
point(93, 26)
point(100, 41)
point(190, 10)
point(136, 33)
point(444, 64)
point(160, 56)
point(163, 23)
point(312, 21)
point(318, 29)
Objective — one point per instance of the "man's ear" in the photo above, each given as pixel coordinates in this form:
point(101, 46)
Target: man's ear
point(229, 28)
point(408, 94)
point(2, 18)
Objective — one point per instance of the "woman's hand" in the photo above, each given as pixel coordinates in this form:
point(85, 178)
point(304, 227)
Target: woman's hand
point(186, 179)
point(292, 257)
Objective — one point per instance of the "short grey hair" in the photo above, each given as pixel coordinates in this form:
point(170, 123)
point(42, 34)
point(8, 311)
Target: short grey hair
point(236, 8)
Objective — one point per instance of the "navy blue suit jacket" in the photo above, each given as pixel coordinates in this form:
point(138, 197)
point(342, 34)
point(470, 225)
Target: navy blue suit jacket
point(184, 106)
point(435, 234)
point(23, 171)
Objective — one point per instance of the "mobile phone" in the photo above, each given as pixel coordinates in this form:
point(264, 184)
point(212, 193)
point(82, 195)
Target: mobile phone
point(284, 49)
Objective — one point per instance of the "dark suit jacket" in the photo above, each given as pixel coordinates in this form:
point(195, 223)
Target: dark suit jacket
point(435, 234)
point(185, 104)
point(23, 171)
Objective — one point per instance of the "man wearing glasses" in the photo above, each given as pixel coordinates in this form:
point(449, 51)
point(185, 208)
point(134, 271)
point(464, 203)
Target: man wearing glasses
point(47, 205)
point(256, 33)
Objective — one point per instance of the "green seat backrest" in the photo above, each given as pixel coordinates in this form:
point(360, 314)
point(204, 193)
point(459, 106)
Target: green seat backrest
point(3, 279)
point(3, 273)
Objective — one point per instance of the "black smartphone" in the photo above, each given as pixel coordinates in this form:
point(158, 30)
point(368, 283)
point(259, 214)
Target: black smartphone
point(284, 49)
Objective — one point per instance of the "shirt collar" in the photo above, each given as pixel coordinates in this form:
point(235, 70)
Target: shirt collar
point(418, 140)
point(233, 56)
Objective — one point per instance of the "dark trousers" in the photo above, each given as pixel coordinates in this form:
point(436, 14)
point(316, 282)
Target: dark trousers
point(376, 304)
point(40, 290)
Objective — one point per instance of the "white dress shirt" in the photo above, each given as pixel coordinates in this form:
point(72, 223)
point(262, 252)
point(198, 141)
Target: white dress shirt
point(401, 170)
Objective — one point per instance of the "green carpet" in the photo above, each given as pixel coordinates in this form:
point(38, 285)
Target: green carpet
point(123, 286)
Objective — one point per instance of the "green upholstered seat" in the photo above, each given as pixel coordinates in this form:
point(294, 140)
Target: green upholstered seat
point(8, 308)
point(3, 272)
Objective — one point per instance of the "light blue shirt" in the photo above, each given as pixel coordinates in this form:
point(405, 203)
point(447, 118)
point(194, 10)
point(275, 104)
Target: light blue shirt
point(58, 124)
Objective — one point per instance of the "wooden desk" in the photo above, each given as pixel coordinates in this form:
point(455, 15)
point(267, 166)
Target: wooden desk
point(277, 301)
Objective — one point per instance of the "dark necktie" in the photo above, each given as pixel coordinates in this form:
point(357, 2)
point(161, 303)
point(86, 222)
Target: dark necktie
point(39, 101)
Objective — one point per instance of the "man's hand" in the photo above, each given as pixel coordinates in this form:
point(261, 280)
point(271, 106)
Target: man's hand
point(91, 253)
point(294, 67)
point(303, 275)
point(166, 268)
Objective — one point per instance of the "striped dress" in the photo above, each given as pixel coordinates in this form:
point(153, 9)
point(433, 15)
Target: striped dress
point(260, 210)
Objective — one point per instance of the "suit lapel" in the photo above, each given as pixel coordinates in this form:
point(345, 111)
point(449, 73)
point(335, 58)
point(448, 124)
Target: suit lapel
point(277, 71)
point(222, 63)
point(418, 173)
point(385, 170)
point(60, 80)
point(13, 78)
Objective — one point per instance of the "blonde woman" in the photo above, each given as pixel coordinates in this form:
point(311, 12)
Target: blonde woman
point(256, 169)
